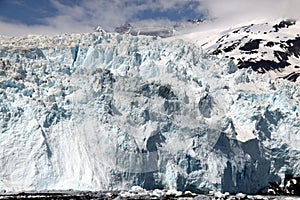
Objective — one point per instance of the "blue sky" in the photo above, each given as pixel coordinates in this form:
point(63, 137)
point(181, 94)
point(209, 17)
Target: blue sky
point(30, 12)
point(83, 15)
point(35, 12)
point(21, 17)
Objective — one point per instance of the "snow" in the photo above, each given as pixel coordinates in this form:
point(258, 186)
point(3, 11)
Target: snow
point(103, 111)
point(219, 40)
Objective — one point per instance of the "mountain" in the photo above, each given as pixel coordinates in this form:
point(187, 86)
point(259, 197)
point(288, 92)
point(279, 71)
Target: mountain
point(106, 111)
point(155, 31)
point(269, 47)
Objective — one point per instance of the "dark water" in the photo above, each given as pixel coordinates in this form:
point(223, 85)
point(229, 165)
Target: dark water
point(83, 195)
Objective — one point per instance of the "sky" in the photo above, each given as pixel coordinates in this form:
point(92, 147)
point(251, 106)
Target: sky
point(22, 17)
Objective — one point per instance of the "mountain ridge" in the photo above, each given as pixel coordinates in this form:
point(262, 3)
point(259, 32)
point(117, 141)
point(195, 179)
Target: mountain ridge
point(265, 47)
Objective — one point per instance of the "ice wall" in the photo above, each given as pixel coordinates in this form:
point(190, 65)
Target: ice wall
point(105, 111)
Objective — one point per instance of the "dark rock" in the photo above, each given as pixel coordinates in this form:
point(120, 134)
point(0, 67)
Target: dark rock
point(251, 45)
point(284, 24)
point(231, 47)
point(294, 47)
point(263, 65)
point(281, 55)
point(124, 28)
point(292, 77)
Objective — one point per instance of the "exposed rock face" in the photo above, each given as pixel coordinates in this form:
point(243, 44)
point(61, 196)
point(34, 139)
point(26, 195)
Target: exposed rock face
point(263, 47)
point(155, 31)
point(106, 111)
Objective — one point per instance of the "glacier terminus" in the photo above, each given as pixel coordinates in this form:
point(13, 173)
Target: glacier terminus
point(108, 111)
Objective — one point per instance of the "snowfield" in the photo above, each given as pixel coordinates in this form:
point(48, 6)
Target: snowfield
point(103, 111)
point(271, 46)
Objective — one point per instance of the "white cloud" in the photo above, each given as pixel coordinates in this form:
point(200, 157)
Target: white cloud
point(115, 12)
point(111, 13)
point(17, 29)
point(245, 10)
point(88, 14)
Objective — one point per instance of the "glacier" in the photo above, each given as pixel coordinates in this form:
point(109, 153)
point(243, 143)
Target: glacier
point(104, 111)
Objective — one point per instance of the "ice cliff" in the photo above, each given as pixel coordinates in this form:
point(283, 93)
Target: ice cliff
point(104, 111)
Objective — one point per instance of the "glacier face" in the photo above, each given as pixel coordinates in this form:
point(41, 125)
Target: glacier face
point(104, 111)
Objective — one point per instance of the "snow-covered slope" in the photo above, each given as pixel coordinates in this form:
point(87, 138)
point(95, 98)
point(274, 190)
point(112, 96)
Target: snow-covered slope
point(265, 46)
point(108, 111)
